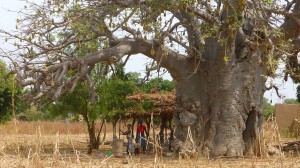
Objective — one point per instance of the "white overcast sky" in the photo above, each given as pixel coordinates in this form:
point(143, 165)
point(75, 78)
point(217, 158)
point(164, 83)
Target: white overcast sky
point(137, 62)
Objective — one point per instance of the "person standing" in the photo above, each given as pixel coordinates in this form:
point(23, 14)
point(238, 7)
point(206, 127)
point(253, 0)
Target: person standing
point(129, 136)
point(140, 137)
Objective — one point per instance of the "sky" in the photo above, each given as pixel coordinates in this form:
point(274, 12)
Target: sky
point(137, 62)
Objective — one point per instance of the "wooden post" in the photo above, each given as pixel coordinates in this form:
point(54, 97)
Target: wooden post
point(13, 103)
point(119, 127)
point(104, 136)
point(153, 133)
point(12, 97)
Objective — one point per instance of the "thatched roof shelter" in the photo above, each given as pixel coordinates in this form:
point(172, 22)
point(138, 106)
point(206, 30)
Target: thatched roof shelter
point(164, 104)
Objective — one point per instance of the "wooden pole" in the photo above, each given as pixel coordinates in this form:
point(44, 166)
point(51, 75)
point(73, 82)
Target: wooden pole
point(119, 127)
point(153, 133)
point(12, 97)
point(13, 103)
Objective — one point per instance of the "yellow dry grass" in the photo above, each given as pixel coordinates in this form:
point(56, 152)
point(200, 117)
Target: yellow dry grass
point(38, 148)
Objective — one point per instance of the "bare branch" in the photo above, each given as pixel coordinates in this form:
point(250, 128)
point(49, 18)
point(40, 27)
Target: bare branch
point(276, 89)
point(203, 15)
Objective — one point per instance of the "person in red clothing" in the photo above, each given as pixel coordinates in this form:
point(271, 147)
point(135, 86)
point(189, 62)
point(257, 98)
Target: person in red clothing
point(140, 138)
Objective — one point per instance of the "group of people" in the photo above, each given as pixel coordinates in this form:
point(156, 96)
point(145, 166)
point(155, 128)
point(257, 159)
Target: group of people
point(140, 137)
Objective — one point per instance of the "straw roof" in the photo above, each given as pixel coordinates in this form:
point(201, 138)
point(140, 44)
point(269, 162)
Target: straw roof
point(164, 103)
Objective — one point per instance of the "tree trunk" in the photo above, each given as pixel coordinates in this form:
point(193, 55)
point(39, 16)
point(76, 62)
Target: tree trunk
point(94, 144)
point(220, 102)
point(114, 124)
point(92, 134)
point(162, 130)
point(99, 132)
point(104, 133)
point(148, 122)
point(132, 126)
point(171, 138)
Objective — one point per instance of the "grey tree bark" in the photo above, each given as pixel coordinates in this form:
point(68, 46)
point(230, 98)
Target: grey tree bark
point(221, 103)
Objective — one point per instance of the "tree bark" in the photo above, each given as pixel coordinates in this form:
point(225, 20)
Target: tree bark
point(171, 138)
point(162, 130)
point(99, 132)
point(148, 122)
point(114, 124)
point(132, 126)
point(220, 103)
point(94, 144)
point(104, 136)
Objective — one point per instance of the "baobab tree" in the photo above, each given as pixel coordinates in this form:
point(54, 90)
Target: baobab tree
point(219, 53)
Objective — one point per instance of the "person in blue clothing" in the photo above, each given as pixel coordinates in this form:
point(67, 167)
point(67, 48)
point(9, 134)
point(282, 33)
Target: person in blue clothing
point(129, 136)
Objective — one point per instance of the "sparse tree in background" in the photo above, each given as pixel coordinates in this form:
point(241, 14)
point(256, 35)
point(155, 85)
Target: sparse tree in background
point(5, 105)
point(112, 94)
point(110, 103)
point(6, 95)
point(160, 84)
point(78, 102)
point(219, 54)
point(268, 109)
point(291, 101)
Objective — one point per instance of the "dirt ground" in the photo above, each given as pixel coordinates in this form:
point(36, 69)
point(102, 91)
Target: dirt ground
point(71, 151)
point(39, 149)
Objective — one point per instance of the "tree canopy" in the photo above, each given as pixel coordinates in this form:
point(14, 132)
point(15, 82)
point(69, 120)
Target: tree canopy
point(49, 35)
point(5, 93)
point(268, 108)
point(291, 101)
point(6, 87)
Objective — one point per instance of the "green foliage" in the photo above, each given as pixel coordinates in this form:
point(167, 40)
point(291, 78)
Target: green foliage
point(268, 109)
point(5, 104)
point(268, 2)
point(78, 100)
point(5, 83)
point(5, 93)
point(134, 77)
point(34, 114)
point(291, 101)
point(75, 103)
point(148, 104)
point(112, 96)
point(111, 101)
point(160, 84)
point(55, 111)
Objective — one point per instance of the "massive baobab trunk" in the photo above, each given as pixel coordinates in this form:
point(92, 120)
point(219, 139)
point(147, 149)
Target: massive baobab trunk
point(221, 103)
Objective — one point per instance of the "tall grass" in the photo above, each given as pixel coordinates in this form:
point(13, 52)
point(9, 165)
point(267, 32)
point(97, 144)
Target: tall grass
point(47, 127)
point(59, 144)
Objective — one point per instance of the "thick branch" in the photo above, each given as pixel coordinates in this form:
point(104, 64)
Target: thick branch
point(52, 79)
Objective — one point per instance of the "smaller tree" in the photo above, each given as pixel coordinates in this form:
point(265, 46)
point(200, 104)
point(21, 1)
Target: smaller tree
point(267, 108)
point(112, 99)
point(162, 85)
point(78, 102)
point(5, 104)
point(291, 101)
point(6, 95)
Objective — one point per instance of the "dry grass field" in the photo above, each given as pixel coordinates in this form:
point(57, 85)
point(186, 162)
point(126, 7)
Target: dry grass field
point(59, 144)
